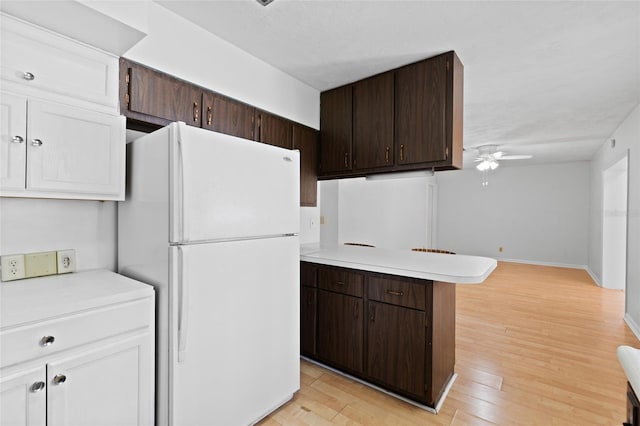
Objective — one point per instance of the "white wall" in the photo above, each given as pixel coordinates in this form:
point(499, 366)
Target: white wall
point(614, 227)
point(186, 51)
point(32, 225)
point(385, 213)
point(627, 137)
point(537, 213)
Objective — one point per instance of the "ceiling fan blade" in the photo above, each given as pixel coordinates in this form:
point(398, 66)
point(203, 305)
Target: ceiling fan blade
point(516, 157)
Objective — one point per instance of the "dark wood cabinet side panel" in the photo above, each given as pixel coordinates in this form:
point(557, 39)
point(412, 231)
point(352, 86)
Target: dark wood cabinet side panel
point(396, 339)
point(420, 112)
point(160, 95)
point(226, 115)
point(274, 130)
point(308, 306)
point(373, 122)
point(308, 274)
point(340, 330)
point(305, 140)
point(336, 113)
point(443, 336)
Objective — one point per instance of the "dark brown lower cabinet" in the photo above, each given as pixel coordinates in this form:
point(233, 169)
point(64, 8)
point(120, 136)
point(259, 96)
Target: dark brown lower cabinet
point(393, 331)
point(396, 347)
point(633, 408)
point(308, 299)
point(340, 330)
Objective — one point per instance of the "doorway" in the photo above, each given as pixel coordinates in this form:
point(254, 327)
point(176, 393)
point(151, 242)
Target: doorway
point(614, 231)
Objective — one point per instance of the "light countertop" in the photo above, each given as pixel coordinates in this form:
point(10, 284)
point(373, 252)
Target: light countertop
point(36, 299)
point(459, 269)
point(630, 360)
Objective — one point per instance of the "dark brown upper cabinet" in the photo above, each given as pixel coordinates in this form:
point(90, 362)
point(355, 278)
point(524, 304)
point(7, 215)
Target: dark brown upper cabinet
point(305, 140)
point(336, 121)
point(153, 97)
point(228, 116)
point(373, 122)
point(428, 113)
point(273, 130)
point(409, 118)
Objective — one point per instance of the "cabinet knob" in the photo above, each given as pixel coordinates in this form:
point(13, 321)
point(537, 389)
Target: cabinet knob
point(37, 387)
point(59, 379)
point(28, 76)
point(17, 139)
point(47, 340)
point(36, 142)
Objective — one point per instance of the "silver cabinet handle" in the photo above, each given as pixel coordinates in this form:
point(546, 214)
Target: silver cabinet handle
point(37, 387)
point(47, 340)
point(59, 379)
point(28, 76)
point(17, 139)
point(36, 142)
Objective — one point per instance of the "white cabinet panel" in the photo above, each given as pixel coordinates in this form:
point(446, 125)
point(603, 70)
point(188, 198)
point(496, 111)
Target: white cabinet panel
point(65, 151)
point(56, 64)
point(13, 128)
point(102, 387)
point(74, 150)
point(23, 398)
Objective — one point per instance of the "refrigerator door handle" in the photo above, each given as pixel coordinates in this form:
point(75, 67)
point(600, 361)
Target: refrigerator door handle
point(183, 306)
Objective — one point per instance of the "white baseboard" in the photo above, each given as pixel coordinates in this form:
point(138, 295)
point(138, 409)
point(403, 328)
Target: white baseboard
point(594, 277)
point(632, 325)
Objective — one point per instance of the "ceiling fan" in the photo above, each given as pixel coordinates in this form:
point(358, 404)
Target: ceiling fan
point(488, 159)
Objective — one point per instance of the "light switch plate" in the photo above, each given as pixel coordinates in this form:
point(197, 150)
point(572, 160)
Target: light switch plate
point(12, 267)
point(40, 264)
point(66, 261)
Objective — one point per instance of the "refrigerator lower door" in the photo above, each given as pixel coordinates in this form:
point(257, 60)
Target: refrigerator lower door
point(234, 320)
point(227, 188)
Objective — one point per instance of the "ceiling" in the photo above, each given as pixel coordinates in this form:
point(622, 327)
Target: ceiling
point(552, 79)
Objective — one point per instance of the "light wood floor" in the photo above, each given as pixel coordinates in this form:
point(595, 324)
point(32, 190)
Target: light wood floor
point(535, 345)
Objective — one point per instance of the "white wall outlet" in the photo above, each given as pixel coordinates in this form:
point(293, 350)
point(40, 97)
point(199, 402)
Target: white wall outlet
point(66, 261)
point(40, 264)
point(12, 267)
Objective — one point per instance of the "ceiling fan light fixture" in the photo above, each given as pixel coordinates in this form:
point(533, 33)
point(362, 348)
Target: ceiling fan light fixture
point(493, 164)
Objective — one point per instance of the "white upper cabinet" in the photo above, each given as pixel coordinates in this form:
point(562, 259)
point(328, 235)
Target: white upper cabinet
point(62, 135)
point(40, 63)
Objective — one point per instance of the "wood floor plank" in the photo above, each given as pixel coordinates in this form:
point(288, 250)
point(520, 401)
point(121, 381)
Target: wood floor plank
point(535, 345)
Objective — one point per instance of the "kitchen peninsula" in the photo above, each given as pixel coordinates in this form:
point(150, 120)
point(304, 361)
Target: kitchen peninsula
point(386, 317)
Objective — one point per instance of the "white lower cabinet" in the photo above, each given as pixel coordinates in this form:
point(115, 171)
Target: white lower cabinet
point(88, 367)
point(23, 398)
point(59, 151)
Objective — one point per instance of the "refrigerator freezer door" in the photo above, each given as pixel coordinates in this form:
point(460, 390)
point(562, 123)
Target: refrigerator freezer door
point(224, 187)
point(234, 330)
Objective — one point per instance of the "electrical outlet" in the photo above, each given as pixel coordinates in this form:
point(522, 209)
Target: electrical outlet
point(40, 264)
point(12, 267)
point(500, 249)
point(66, 261)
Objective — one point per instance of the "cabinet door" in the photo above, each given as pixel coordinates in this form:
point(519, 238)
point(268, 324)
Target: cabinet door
point(373, 122)
point(396, 345)
point(23, 398)
point(14, 142)
point(104, 386)
point(305, 140)
point(336, 115)
point(75, 151)
point(308, 296)
point(340, 330)
point(154, 94)
point(274, 130)
point(225, 115)
point(420, 112)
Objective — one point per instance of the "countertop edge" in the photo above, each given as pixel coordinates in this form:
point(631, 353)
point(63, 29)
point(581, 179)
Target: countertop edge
point(629, 359)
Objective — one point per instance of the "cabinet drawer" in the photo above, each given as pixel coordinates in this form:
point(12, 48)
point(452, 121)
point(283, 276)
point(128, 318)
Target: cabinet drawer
point(308, 274)
point(409, 294)
point(25, 343)
point(341, 281)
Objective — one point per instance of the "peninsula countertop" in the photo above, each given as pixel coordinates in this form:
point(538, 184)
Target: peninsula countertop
point(459, 269)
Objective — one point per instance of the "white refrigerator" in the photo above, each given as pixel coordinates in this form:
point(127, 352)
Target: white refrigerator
point(212, 222)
